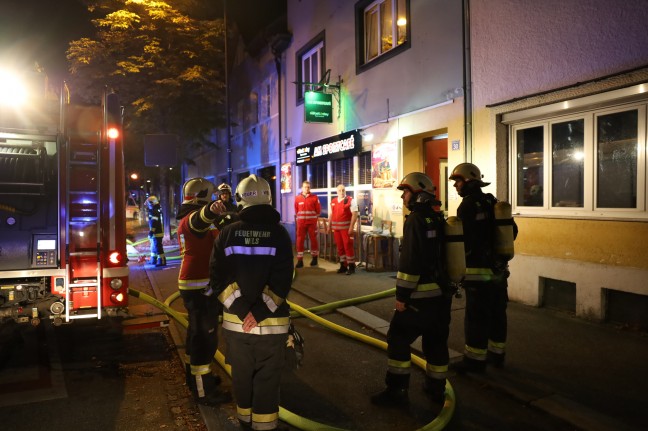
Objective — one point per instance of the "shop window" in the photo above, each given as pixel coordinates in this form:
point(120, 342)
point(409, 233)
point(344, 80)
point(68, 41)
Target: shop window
point(316, 174)
point(364, 168)
point(585, 163)
point(342, 172)
point(382, 28)
point(310, 66)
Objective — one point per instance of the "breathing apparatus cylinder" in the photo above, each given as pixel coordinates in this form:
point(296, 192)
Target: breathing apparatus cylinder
point(504, 231)
point(455, 255)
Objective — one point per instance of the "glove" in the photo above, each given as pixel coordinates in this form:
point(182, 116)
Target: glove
point(151, 234)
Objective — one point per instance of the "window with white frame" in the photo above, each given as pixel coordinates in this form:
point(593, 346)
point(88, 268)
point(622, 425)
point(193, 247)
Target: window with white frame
point(590, 163)
point(310, 66)
point(383, 26)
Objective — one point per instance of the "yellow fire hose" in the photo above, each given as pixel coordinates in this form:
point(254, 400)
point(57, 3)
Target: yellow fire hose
point(285, 415)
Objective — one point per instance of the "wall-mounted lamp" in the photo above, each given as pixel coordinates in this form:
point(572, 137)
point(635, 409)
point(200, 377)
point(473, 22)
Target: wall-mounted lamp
point(286, 141)
point(367, 136)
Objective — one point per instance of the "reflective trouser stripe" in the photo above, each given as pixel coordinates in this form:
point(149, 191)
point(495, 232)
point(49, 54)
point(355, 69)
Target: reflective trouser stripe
point(475, 353)
point(478, 274)
point(399, 367)
point(266, 421)
point(496, 347)
point(436, 371)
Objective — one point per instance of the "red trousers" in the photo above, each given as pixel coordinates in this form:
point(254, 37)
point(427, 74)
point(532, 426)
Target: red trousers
point(344, 243)
point(311, 230)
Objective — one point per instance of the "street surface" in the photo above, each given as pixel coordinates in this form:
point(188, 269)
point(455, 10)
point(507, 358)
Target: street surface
point(562, 373)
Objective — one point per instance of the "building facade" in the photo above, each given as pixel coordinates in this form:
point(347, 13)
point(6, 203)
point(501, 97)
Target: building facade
point(547, 98)
point(559, 123)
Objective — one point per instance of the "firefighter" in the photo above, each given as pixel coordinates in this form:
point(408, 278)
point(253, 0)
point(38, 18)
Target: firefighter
point(486, 274)
point(251, 272)
point(423, 298)
point(231, 210)
point(156, 231)
point(196, 237)
point(307, 210)
point(344, 214)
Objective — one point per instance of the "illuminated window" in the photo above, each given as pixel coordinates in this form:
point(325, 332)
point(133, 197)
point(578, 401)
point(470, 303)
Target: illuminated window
point(310, 65)
point(383, 28)
point(592, 162)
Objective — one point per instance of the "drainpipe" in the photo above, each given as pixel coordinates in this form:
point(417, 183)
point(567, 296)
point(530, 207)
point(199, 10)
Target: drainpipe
point(467, 83)
point(227, 99)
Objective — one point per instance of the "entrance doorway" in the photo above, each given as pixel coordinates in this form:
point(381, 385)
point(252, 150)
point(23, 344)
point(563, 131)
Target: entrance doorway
point(270, 175)
point(436, 166)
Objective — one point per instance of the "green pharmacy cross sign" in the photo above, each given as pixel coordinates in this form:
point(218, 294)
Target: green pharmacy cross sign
point(318, 107)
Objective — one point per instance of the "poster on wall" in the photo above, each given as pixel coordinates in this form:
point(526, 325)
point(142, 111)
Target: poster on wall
point(384, 165)
point(286, 178)
point(365, 207)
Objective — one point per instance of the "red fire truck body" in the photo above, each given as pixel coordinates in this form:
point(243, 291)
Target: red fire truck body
point(62, 209)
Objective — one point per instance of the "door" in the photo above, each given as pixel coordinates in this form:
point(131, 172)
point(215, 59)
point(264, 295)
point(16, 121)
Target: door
point(436, 166)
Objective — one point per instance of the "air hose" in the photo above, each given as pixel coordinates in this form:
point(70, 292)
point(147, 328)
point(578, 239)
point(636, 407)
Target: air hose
point(291, 418)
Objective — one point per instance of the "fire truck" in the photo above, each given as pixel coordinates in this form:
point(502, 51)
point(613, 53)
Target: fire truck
point(62, 205)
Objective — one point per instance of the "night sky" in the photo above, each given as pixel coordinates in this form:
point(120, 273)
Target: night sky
point(40, 30)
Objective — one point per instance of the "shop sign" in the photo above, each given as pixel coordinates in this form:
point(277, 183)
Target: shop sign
point(318, 107)
point(336, 147)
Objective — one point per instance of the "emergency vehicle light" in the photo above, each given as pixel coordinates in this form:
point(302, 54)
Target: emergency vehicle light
point(115, 258)
point(117, 297)
point(112, 133)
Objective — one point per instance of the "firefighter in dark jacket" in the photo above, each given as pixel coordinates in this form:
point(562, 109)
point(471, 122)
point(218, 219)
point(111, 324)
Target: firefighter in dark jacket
point(231, 209)
point(485, 324)
point(251, 272)
point(196, 237)
point(423, 298)
point(156, 231)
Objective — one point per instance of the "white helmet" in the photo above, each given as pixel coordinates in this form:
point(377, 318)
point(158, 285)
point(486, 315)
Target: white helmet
point(224, 188)
point(253, 191)
point(197, 191)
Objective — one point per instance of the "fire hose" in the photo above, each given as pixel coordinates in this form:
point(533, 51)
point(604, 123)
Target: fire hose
point(442, 419)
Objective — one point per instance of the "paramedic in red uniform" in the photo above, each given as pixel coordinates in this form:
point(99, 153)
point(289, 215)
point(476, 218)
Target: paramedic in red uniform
point(307, 210)
point(344, 214)
point(196, 236)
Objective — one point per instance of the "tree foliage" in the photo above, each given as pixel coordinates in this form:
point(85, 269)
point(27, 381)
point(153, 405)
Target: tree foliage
point(166, 66)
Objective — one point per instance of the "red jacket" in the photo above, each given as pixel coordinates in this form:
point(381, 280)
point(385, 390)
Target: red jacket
point(307, 208)
point(196, 239)
point(341, 213)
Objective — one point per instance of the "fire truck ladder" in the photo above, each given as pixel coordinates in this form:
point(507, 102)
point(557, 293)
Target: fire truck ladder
point(82, 225)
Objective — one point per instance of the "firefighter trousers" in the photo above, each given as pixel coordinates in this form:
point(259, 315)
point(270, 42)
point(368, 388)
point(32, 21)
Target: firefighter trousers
point(429, 319)
point(304, 229)
point(202, 331)
point(257, 362)
point(485, 322)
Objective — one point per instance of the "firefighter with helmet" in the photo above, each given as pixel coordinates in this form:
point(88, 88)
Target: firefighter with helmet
point(231, 210)
point(156, 231)
point(196, 236)
point(485, 283)
point(251, 271)
point(423, 298)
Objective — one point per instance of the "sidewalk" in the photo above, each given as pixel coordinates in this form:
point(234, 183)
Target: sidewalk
point(590, 375)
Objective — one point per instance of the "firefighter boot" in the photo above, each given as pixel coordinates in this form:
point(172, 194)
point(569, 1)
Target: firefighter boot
point(207, 393)
point(395, 394)
point(496, 359)
point(153, 260)
point(300, 263)
point(161, 260)
point(351, 269)
point(435, 390)
point(342, 269)
point(314, 261)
